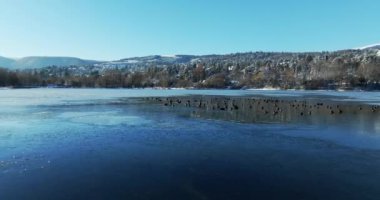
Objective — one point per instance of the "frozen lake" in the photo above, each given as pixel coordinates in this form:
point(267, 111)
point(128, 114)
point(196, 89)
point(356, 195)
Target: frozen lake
point(94, 144)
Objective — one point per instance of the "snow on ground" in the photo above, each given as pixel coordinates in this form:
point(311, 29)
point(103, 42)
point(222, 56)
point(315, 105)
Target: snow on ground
point(169, 56)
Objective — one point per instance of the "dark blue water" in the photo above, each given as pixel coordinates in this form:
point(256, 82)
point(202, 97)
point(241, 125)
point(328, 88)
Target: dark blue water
point(105, 148)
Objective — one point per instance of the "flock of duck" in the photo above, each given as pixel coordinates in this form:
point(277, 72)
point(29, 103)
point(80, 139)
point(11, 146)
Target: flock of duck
point(267, 106)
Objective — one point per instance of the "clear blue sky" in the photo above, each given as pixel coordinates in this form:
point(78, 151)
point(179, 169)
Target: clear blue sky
point(114, 29)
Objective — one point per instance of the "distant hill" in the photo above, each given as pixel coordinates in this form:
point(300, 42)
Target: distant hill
point(139, 63)
point(6, 62)
point(377, 47)
point(344, 69)
point(40, 62)
point(370, 47)
point(374, 47)
point(158, 59)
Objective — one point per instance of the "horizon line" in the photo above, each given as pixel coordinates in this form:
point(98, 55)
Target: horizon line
point(184, 54)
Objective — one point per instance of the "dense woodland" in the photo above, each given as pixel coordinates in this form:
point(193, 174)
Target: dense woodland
point(350, 69)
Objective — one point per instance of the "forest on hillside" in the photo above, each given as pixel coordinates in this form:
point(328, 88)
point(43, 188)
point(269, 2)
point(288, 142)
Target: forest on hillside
point(350, 69)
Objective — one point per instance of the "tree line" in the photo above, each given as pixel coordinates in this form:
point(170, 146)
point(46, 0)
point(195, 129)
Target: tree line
point(345, 69)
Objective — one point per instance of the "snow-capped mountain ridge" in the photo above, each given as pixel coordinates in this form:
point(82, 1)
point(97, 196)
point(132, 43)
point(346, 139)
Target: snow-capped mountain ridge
point(372, 46)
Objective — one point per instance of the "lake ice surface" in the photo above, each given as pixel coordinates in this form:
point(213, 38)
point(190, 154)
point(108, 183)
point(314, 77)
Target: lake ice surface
point(92, 144)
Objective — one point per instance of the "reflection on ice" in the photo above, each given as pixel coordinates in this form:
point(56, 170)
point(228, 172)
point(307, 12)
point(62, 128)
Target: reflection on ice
point(102, 118)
